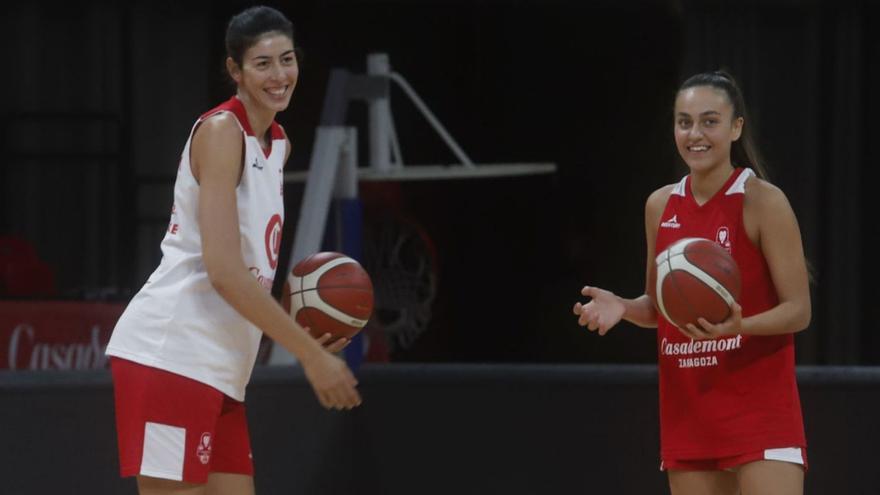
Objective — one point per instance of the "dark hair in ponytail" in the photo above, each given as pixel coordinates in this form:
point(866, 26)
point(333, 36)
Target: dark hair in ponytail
point(246, 28)
point(743, 152)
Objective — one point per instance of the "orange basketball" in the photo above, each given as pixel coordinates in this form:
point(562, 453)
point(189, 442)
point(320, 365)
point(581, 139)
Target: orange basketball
point(330, 293)
point(696, 278)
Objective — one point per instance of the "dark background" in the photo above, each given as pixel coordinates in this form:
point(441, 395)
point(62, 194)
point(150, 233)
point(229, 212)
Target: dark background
point(100, 96)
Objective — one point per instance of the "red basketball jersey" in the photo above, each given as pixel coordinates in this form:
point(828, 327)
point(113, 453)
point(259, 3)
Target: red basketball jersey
point(734, 394)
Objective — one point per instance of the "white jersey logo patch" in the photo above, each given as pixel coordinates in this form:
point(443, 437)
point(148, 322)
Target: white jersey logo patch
point(672, 223)
point(273, 240)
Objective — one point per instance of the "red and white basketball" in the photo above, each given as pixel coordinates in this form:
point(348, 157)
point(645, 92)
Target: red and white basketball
point(696, 278)
point(330, 293)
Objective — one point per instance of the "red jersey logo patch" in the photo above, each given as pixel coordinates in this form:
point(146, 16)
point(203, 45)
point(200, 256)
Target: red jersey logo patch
point(722, 237)
point(204, 449)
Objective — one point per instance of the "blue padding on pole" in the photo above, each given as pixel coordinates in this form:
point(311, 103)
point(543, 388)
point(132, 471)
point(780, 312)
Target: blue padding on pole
point(352, 227)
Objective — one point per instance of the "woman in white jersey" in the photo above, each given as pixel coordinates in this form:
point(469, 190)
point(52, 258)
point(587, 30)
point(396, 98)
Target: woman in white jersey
point(183, 351)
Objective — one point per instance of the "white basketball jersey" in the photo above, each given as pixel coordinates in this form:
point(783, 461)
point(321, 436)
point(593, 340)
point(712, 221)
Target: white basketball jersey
point(178, 322)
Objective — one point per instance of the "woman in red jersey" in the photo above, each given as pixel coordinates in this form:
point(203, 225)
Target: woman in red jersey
point(183, 350)
point(731, 423)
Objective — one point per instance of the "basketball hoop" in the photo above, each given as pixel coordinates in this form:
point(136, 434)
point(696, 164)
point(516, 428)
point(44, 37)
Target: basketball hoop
point(394, 255)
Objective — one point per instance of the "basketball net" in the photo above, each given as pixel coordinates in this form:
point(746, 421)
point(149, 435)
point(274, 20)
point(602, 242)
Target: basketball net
point(401, 260)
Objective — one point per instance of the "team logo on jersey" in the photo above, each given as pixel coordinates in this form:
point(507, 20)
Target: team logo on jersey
point(699, 353)
point(672, 223)
point(204, 449)
point(273, 240)
point(257, 164)
point(722, 237)
point(173, 226)
point(265, 282)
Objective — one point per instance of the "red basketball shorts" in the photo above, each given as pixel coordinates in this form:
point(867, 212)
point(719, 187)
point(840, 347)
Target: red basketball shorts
point(794, 455)
point(175, 428)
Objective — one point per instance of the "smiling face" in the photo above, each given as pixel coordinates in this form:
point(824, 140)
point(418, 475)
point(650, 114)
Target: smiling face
point(268, 72)
point(705, 127)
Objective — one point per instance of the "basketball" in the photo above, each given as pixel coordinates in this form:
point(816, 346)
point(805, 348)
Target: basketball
point(696, 278)
point(329, 293)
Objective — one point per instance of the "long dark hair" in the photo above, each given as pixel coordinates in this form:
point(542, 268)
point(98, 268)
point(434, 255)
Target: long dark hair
point(744, 151)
